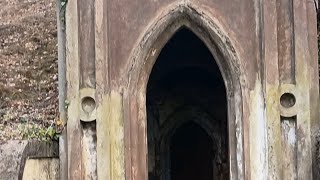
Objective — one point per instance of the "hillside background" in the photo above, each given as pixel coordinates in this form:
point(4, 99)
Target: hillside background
point(28, 69)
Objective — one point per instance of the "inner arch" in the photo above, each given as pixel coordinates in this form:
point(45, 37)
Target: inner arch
point(191, 153)
point(185, 75)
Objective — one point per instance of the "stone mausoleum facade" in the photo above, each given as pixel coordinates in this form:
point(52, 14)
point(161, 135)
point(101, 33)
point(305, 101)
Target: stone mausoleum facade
point(191, 89)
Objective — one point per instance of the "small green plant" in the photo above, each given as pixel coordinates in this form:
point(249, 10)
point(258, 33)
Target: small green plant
point(51, 133)
point(32, 131)
point(63, 6)
point(66, 104)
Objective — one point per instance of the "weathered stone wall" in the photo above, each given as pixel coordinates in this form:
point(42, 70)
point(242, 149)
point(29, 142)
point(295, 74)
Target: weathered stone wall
point(41, 168)
point(267, 54)
point(11, 153)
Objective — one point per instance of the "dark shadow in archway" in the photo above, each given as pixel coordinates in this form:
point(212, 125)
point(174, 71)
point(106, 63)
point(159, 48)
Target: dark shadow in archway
point(186, 78)
point(191, 153)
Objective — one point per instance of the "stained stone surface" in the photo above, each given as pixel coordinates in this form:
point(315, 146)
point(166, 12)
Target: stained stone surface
point(10, 158)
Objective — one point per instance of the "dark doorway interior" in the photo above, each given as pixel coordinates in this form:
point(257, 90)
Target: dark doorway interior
point(191, 154)
point(187, 113)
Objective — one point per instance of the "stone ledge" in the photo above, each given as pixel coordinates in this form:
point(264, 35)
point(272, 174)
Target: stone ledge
point(14, 154)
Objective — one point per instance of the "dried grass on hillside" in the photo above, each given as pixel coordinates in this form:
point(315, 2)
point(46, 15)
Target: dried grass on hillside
point(28, 68)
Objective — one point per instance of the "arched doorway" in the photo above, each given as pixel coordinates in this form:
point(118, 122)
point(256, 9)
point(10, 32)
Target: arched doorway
point(186, 102)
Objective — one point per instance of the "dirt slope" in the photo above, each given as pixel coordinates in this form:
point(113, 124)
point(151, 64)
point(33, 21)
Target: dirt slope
point(28, 68)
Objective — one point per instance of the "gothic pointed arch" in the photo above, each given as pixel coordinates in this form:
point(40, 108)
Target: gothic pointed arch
point(140, 66)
